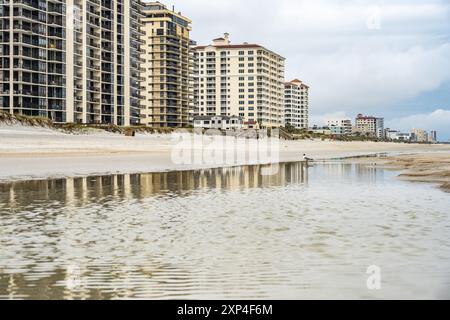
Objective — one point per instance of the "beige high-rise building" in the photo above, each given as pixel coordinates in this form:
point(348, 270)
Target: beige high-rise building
point(167, 87)
point(71, 61)
point(296, 104)
point(420, 135)
point(371, 126)
point(245, 80)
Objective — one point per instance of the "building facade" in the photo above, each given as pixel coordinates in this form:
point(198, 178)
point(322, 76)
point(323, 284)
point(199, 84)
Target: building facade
point(433, 137)
point(74, 61)
point(245, 80)
point(340, 126)
point(218, 122)
point(371, 126)
point(296, 104)
point(396, 135)
point(419, 135)
point(168, 68)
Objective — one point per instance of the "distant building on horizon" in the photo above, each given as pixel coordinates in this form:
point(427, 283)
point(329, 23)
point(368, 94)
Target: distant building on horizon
point(433, 136)
point(296, 104)
point(396, 135)
point(419, 135)
point(371, 126)
point(340, 126)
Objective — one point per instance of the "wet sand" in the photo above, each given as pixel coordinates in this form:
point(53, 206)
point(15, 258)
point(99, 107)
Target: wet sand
point(422, 167)
point(39, 153)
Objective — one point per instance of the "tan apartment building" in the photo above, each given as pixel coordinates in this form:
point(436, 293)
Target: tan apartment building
point(371, 126)
point(244, 80)
point(167, 86)
point(296, 104)
point(74, 61)
point(419, 135)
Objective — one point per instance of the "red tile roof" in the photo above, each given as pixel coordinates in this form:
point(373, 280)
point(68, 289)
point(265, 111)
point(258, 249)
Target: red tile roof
point(231, 46)
point(297, 83)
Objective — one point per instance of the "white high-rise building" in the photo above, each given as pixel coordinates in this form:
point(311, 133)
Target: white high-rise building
point(296, 104)
point(74, 61)
point(244, 80)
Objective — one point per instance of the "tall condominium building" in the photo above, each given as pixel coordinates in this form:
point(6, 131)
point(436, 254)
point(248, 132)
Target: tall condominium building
point(71, 61)
point(296, 104)
point(168, 67)
point(371, 126)
point(244, 80)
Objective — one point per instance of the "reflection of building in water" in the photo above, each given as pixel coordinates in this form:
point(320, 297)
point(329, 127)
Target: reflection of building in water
point(362, 172)
point(75, 192)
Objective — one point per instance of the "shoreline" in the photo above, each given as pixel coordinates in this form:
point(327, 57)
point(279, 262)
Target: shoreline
point(38, 154)
point(433, 168)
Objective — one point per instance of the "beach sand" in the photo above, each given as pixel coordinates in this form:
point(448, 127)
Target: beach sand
point(40, 153)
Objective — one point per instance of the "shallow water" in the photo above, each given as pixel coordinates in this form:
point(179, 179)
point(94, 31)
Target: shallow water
point(305, 232)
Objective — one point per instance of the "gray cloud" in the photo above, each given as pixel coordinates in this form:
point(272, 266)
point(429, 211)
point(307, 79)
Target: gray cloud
point(358, 56)
point(438, 120)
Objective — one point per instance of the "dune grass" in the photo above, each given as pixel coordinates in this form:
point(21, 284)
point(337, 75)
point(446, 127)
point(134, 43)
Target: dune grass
point(75, 128)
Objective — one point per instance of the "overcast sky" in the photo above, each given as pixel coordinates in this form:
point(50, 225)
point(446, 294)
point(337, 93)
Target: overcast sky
point(383, 58)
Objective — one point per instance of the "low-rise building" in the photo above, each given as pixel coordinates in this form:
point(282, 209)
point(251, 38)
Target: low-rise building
point(391, 134)
point(404, 137)
point(341, 126)
point(321, 130)
point(219, 122)
point(396, 135)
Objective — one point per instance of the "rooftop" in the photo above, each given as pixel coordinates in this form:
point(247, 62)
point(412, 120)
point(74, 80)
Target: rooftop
point(296, 82)
point(225, 43)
